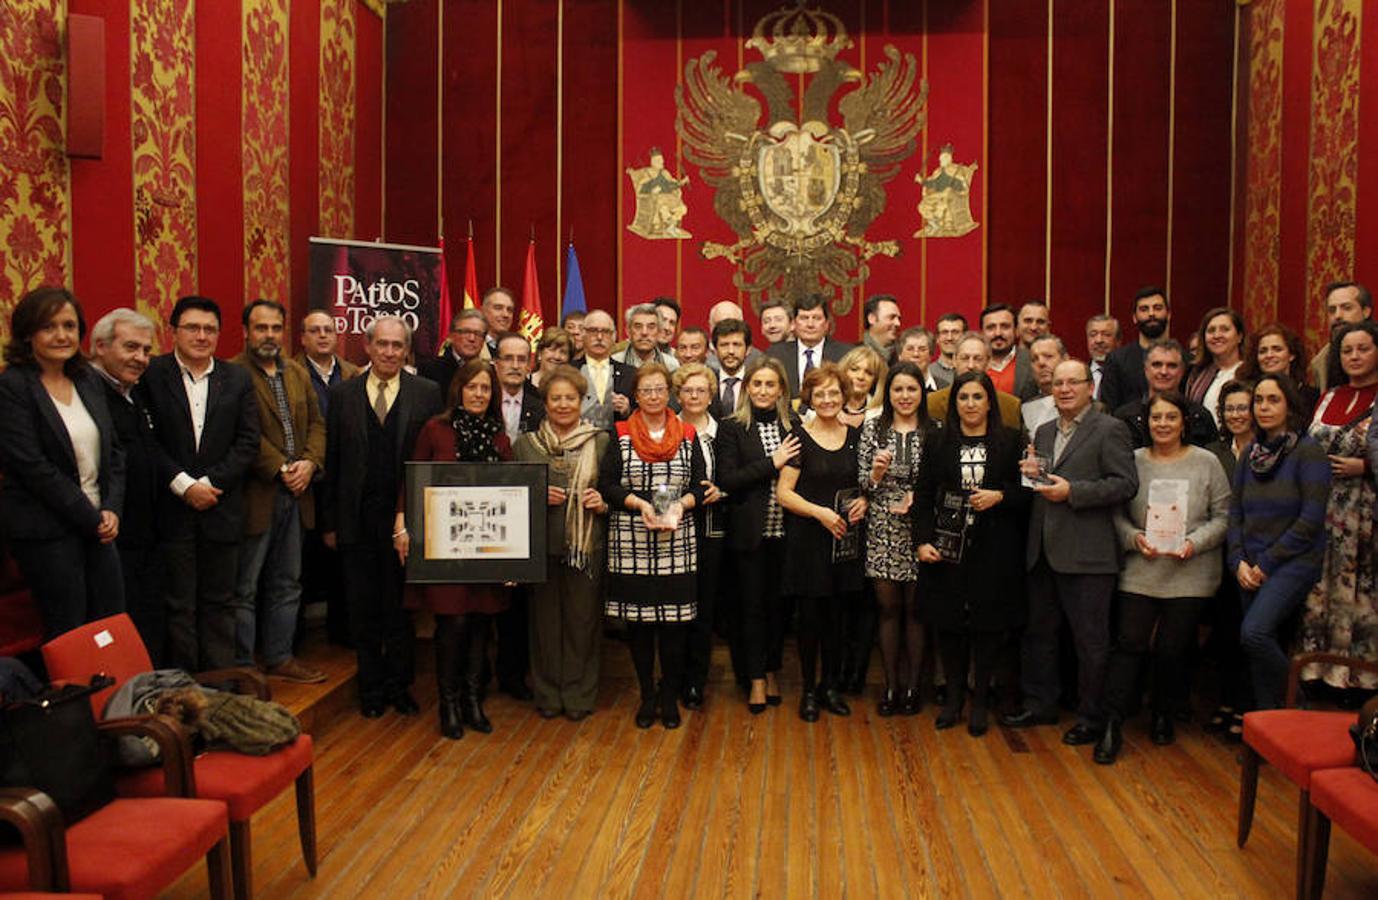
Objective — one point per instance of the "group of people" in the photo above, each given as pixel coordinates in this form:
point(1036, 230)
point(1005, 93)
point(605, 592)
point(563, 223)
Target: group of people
point(961, 498)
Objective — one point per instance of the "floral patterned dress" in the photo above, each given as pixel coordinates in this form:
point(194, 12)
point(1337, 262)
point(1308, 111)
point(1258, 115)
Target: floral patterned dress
point(1341, 615)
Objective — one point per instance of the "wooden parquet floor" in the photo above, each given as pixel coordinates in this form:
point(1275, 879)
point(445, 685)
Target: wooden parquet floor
point(734, 805)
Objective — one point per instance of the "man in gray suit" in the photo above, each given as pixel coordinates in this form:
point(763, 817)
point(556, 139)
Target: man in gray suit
point(1072, 555)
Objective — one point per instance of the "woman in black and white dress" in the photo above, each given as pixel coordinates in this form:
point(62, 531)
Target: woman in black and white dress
point(653, 557)
point(888, 461)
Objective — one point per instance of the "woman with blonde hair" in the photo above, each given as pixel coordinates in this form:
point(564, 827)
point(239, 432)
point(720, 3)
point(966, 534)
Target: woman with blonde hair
point(863, 371)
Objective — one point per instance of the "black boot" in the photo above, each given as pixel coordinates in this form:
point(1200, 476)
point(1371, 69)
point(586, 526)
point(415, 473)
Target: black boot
point(952, 709)
point(1108, 750)
point(646, 712)
point(447, 680)
point(471, 707)
point(669, 706)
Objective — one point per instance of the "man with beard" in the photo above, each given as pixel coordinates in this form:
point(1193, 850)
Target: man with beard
point(1102, 337)
point(121, 344)
point(1124, 379)
point(278, 502)
point(1346, 303)
point(1009, 370)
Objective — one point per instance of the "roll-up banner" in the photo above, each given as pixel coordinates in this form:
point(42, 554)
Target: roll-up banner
point(357, 281)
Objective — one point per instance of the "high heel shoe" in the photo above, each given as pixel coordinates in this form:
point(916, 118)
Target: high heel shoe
point(889, 703)
point(753, 706)
point(471, 708)
point(776, 698)
point(912, 702)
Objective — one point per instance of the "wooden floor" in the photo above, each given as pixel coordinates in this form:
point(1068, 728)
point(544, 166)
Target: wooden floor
point(743, 806)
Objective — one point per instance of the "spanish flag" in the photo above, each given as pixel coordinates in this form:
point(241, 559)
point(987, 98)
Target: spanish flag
point(530, 324)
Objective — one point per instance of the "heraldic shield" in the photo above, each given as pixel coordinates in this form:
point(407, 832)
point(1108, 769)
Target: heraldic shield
point(799, 171)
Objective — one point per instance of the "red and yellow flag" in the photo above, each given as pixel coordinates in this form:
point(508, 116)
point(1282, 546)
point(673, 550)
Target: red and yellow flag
point(530, 324)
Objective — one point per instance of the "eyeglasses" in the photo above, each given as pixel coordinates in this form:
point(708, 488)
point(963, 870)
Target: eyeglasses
point(652, 391)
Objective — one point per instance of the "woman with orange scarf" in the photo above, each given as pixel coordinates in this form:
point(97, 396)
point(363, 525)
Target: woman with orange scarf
point(650, 480)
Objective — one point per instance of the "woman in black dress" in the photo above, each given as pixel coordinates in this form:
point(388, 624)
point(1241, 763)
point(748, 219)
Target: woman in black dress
point(975, 600)
point(753, 445)
point(809, 488)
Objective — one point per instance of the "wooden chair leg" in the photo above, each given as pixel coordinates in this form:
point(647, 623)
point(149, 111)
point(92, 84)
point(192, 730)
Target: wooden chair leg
point(218, 870)
point(1248, 792)
point(1318, 849)
point(242, 860)
point(1304, 828)
point(306, 817)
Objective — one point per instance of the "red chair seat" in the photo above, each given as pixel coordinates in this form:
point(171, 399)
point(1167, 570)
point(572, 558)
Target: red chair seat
point(245, 783)
point(1299, 742)
point(1349, 798)
point(131, 849)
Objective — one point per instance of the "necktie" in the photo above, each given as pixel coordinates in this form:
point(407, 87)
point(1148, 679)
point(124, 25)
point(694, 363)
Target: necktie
point(380, 402)
point(808, 360)
point(729, 394)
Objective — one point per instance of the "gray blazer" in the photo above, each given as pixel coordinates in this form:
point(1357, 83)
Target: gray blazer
point(1078, 535)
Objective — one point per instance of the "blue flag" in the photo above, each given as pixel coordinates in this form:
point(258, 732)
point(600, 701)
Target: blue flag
point(574, 286)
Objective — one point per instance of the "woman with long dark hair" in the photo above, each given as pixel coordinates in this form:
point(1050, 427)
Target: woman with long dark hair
point(754, 444)
point(469, 431)
point(975, 592)
point(1219, 354)
point(888, 464)
point(63, 471)
point(1277, 530)
point(809, 489)
point(653, 479)
point(1277, 350)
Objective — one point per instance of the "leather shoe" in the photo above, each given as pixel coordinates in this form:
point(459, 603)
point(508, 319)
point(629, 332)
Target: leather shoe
point(693, 698)
point(1080, 734)
point(405, 703)
point(547, 713)
point(889, 703)
point(946, 719)
point(517, 690)
point(833, 701)
point(912, 703)
point(646, 713)
point(372, 709)
point(1162, 732)
point(1108, 750)
point(976, 722)
point(577, 715)
point(1026, 718)
point(808, 707)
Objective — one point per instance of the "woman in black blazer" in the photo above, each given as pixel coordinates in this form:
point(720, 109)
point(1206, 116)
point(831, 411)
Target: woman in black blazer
point(63, 471)
point(975, 601)
point(753, 445)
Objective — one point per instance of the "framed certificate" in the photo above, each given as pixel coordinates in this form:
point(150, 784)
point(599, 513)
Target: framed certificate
point(476, 523)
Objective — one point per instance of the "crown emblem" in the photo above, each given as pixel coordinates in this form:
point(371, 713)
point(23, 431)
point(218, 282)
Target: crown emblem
point(797, 40)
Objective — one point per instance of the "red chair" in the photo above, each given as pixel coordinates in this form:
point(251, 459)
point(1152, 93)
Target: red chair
point(1349, 798)
point(1299, 743)
point(245, 783)
point(127, 849)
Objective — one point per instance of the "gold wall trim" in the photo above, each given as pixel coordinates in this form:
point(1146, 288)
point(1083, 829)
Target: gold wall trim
point(1234, 159)
point(617, 221)
point(559, 153)
point(440, 120)
point(1048, 181)
point(1171, 139)
point(923, 245)
point(497, 160)
point(985, 150)
point(1110, 157)
point(679, 145)
point(377, 7)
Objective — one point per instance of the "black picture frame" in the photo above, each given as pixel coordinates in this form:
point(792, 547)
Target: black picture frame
point(527, 569)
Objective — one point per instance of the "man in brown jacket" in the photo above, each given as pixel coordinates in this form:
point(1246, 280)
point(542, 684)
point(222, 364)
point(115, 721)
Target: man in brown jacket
point(277, 494)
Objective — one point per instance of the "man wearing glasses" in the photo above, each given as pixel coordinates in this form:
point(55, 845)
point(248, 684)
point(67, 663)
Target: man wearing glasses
point(1082, 468)
point(468, 331)
point(205, 419)
point(609, 395)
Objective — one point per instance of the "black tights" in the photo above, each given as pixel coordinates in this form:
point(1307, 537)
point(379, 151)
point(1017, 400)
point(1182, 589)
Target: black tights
point(461, 649)
point(820, 624)
point(962, 652)
point(642, 638)
point(897, 604)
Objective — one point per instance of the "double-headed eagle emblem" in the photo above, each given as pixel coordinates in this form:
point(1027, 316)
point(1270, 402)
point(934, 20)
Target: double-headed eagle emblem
point(798, 191)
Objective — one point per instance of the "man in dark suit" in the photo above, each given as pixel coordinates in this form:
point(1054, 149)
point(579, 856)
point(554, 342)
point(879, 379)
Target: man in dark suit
point(319, 341)
point(121, 346)
point(206, 422)
point(1164, 368)
point(370, 433)
point(811, 344)
point(1073, 555)
point(731, 339)
point(468, 332)
point(1123, 376)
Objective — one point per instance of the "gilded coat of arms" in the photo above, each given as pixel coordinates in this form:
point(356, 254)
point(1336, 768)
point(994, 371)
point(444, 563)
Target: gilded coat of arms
point(798, 190)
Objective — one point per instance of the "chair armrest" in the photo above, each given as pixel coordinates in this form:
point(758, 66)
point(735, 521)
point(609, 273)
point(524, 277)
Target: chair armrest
point(39, 822)
point(245, 681)
point(1303, 660)
point(174, 748)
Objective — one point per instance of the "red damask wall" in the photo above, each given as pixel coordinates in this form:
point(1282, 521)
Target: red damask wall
point(1101, 131)
point(1306, 204)
point(213, 171)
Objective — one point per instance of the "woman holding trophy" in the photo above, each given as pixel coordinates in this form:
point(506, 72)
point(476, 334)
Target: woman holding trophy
point(650, 479)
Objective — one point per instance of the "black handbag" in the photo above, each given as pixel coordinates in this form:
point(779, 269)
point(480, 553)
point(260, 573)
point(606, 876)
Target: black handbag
point(50, 743)
point(1365, 734)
